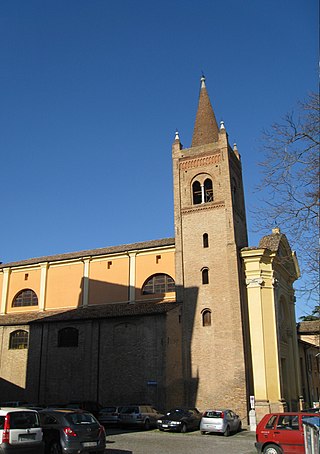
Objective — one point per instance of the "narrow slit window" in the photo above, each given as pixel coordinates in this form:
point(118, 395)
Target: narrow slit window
point(206, 317)
point(205, 240)
point(205, 276)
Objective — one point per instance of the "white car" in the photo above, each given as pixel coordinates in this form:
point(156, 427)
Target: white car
point(220, 421)
point(20, 431)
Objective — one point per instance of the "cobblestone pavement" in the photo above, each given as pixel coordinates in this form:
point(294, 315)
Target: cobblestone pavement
point(155, 442)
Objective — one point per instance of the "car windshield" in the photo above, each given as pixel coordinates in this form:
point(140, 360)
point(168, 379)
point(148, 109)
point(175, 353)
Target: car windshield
point(213, 414)
point(177, 412)
point(80, 418)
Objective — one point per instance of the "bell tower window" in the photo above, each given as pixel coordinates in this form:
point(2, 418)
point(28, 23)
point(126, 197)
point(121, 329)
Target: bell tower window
point(197, 193)
point(202, 192)
point(205, 239)
point(208, 191)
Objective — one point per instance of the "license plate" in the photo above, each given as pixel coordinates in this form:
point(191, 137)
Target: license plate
point(27, 437)
point(89, 444)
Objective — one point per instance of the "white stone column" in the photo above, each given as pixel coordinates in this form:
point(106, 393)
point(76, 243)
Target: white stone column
point(5, 289)
point(132, 277)
point(85, 286)
point(202, 194)
point(43, 286)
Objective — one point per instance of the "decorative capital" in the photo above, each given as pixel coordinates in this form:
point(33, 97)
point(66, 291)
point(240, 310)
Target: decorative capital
point(255, 282)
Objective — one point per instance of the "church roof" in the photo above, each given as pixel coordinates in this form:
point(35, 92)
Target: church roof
point(94, 252)
point(205, 128)
point(89, 313)
point(271, 242)
point(309, 327)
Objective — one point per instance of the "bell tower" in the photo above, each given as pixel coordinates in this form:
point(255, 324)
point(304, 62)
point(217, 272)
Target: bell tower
point(210, 230)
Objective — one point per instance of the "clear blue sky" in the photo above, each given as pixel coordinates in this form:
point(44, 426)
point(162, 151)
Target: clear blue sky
point(93, 90)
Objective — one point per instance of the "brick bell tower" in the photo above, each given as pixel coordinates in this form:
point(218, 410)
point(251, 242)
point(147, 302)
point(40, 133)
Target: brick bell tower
point(210, 230)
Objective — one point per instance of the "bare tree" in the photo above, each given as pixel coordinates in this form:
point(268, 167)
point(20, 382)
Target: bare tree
point(290, 185)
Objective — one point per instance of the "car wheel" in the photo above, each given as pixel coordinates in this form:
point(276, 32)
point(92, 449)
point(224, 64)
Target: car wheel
point(55, 448)
point(202, 432)
point(272, 449)
point(183, 428)
point(146, 425)
point(226, 433)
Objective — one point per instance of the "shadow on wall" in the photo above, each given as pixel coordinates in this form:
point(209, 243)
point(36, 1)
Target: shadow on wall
point(115, 353)
point(10, 392)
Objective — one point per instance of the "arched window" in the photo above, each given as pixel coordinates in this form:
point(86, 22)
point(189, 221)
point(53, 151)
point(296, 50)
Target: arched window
point(205, 275)
point(68, 337)
point(205, 239)
point(18, 339)
point(26, 297)
point(208, 191)
point(196, 193)
point(158, 283)
point(206, 317)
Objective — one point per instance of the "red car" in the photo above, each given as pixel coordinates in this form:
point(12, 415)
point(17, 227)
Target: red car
point(282, 433)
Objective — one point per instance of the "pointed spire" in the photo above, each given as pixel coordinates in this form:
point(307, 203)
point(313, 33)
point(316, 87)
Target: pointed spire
point(205, 128)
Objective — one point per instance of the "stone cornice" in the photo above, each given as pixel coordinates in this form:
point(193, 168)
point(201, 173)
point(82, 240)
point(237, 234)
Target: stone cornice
point(199, 161)
point(201, 207)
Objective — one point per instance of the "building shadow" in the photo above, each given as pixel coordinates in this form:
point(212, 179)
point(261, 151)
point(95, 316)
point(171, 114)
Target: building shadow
point(126, 352)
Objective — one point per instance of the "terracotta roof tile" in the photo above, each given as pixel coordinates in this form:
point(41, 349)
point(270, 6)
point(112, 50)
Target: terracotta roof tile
point(94, 252)
point(309, 327)
point(89, 313)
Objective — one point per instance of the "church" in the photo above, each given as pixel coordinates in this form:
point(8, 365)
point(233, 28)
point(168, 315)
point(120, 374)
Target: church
point(200, 319)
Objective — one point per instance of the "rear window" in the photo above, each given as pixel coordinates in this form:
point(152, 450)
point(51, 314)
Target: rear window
point(80, 418)
point(130, 410)
point(109, 410)
point(213, 414)
point(24, 420)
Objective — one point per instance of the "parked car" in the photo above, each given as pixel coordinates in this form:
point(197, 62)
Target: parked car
point(143, 416)
point(88, 405)
point(20, 431)
point(109, 415)
point(180, 420)
point(220, 421)
point(72, 432)
point(282, 433)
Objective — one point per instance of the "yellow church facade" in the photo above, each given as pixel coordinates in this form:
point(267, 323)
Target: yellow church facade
point(200, 319)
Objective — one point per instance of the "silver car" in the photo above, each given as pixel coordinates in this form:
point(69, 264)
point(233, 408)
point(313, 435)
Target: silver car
point(20, 431)
point(109, 415)
point(143, 416)
point(220, 421)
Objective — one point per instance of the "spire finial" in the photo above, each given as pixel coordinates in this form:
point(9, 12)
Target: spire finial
point(222, 125)
point(203, 81)
point(176, 137)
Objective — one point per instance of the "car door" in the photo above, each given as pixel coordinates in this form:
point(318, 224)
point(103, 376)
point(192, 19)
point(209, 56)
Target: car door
point(231, 418)
point(288, 434)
